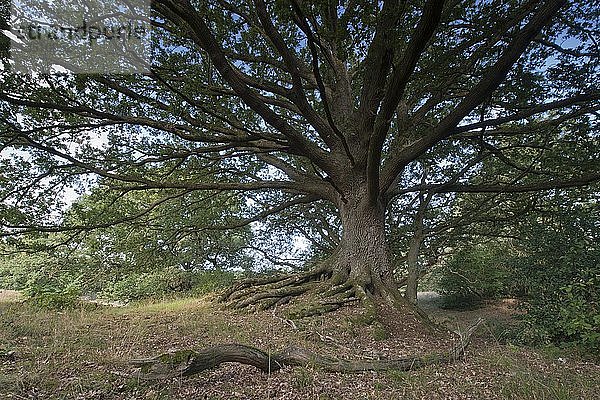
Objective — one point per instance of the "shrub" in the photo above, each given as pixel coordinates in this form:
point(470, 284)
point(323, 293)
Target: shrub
point(53, 293)
point(141, 285)
point(476, 273)
point(211, 281)
point(564, 308)
point(16, 269)
point(160, 283)
point(560, 267)
point(579, 310)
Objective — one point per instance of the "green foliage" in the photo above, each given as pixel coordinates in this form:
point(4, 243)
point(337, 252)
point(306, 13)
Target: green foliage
point(380, 333)
point(57, 279)
point(165, 250)
point(54, 298)
point(563, 283)
point(164, 282)
point(210, 281)
point(303, 378)
point(60, 292)
point(54, 287)
point(476, 273)
point(47, 281)
point(137, 286)
point(579, 314)
point(553, 267)
point(14, 272)
point(172, 234)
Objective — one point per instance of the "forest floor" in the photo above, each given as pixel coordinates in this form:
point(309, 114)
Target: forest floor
point(83, 354)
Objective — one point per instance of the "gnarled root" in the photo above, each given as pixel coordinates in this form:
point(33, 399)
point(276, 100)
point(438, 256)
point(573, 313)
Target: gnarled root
point(265, 293)
point(188, 362)
point(330, 291)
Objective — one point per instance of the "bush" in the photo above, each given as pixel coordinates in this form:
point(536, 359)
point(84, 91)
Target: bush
point(563, 300)
point(59, 293)
point(141, 285)
point(579, 310)
point(211, 281)
point(160, 283)
point(16, 269)
point(554, 268)
point(474, 274)
point(57, 299)
point(561, 268)
point(56, 280)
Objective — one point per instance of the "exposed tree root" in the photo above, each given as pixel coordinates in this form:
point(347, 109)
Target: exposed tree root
point(329, 291)
point(264, 293)
point(189, 362)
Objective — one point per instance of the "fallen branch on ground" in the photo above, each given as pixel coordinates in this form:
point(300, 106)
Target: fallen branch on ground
point(190, 362)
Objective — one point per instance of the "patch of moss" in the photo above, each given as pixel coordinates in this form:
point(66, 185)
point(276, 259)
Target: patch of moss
point(380, 333)
point(177, 357)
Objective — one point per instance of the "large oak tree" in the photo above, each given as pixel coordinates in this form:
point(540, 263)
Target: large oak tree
point(350, 103)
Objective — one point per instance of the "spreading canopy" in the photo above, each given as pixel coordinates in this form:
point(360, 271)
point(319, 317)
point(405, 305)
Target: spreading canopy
point(291, 102)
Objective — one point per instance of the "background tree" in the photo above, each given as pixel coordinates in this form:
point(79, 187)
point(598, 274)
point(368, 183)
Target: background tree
point(171, 235)
point(126, 247)
point(295, 102)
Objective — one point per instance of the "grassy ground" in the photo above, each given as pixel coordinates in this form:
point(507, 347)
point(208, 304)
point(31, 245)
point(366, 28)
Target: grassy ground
point(83, 353)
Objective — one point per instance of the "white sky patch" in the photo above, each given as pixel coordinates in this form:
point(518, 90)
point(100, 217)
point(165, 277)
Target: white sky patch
point(300, 243)
point(12, 36)
point(70, 196)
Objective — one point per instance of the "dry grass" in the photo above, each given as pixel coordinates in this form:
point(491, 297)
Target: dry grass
point(83, 353)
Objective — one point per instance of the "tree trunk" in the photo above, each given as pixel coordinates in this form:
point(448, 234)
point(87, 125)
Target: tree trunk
point(412, 259)
point(363, 255)
point(414, 273)
point(359, 269)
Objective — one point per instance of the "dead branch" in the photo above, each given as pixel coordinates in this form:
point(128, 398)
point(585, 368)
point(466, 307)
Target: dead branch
point(189, 362)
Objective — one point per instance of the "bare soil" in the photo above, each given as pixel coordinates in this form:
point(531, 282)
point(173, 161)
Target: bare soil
point(10, 295)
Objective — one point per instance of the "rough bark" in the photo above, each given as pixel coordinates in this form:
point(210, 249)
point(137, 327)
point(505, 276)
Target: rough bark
point(190, 362)
point(363, 255)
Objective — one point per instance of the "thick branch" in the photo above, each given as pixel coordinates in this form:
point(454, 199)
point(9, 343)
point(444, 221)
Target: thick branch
point(202, 35)
point(583, 180)
point(430, 19)
point(294, 65)
point(377, 66)
point(528, 112)
point(304, 26)
point(489, 82)
point(144, 183)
